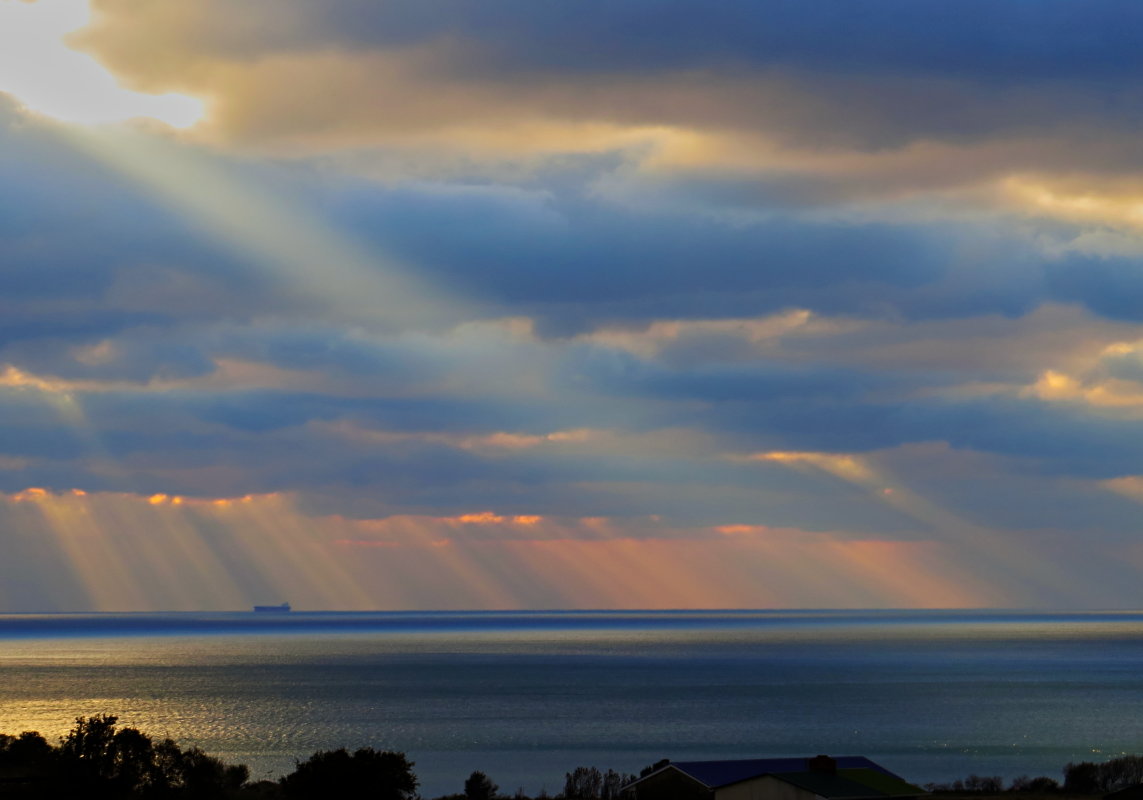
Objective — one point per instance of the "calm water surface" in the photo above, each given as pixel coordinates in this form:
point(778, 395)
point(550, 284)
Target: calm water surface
point(527, 697)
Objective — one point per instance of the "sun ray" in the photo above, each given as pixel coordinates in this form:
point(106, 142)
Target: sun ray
point(290, 246)
point(98, 560)
point(307, 259)
point(989, 546)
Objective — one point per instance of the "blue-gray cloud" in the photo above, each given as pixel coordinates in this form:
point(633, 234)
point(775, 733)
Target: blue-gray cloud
point(878, 75)
point(978, 39)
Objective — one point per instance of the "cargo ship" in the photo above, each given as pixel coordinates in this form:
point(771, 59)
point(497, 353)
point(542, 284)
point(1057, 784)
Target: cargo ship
point(282, 609)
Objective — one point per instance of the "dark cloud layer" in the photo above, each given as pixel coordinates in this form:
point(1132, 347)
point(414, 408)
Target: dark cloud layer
point(978, 39)
point(871, 76)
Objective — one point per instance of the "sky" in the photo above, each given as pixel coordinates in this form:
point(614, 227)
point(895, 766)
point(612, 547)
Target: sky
point(498, 305)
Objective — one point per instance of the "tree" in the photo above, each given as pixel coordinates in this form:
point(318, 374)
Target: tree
point(1081, 778)
point(109, 760)
point(27, 749)
point(1040, 785)
point(985, 784)
point(102, 760)
point(88, 747)
point(588, 783)
point(1120, 772)
point(613, 783)
point(480, 787)
point(200, 775)
point(133, 765)
point(367, 773)
point(1086, 777)
point(583, 783)
point(1043, 785)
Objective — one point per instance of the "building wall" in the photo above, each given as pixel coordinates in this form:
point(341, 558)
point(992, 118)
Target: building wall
point(670, 784)
point(763, 788)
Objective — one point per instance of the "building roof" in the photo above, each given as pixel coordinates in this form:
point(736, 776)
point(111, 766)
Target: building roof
point(721, 773)
point(855, 776)
point(850, 783)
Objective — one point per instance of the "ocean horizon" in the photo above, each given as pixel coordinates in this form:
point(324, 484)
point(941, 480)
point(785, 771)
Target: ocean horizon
point(526, 696)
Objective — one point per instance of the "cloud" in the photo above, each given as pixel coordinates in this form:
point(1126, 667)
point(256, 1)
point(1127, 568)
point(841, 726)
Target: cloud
point(506, 78)
point(427, 271)
point(218, 553)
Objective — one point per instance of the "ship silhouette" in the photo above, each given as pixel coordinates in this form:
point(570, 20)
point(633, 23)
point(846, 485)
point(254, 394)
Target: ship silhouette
point(283, 608)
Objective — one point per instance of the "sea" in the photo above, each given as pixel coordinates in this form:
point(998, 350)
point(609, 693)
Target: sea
point(528, 696)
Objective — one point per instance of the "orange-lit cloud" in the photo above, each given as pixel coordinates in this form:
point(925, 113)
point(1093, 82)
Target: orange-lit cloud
point(420, 101)
point(14, 378)
point(1129, 486)
point(1115, 202)
point(1089, 382)
point(480, 518)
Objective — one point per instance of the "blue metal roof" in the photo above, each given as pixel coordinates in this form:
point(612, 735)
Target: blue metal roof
point(722, 773)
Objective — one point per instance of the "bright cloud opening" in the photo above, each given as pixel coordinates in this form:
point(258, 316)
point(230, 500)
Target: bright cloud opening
point(49, 78)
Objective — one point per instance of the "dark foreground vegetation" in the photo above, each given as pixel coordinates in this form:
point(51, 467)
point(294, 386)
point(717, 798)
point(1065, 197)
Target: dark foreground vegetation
point(1082, 778)
point(98, 760)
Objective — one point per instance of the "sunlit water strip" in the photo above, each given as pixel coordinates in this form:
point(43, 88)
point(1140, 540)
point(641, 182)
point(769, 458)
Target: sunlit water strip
point(527, 696)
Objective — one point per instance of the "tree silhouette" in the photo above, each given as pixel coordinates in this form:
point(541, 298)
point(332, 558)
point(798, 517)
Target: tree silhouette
point(613, 783)
point(588, 783)
point(200, 775)
point(480, 787)
point(583, 783)
point(29, 748)
point(98, 759)
point(87, 749)
point(1118, 773)
point(366, 773)
point(1039, 785)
